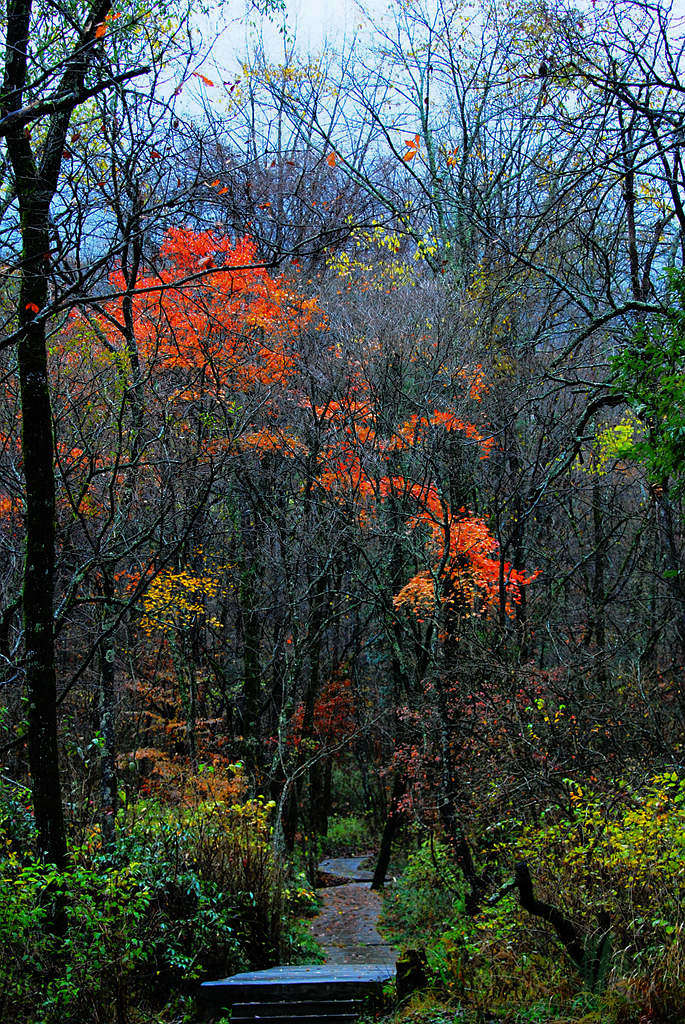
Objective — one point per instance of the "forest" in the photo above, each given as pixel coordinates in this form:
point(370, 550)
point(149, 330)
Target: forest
point(342, 471)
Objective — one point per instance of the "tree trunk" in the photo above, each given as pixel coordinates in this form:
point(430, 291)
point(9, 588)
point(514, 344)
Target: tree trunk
point(392, 825)
point(108, 771)
point(39, 569)
point(597, 615)
point(36, 183)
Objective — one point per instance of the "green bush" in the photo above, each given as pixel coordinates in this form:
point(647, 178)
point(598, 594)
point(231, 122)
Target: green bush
point(301, 898)
point(614, 863)
point(619, 858)
point(348, 792)
point(47, 977)
point(17, 826)
point(347, 836)
point(427, 898)
point(501, 960)
point(183, 894)
point(228, 850)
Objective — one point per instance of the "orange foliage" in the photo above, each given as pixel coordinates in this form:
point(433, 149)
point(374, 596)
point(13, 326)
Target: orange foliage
point(334, 714)
point(465, 572)
point(210, 320)
point(334, 711)
point(11, 512)
point(470, 572)
point(160, 762)
point(266, 441)
point(475, 378)
point(212, 311)
point(415, 430)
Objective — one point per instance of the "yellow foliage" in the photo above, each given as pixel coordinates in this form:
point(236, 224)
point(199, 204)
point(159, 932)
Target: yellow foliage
point(382, 266)
point(610, 445)
point(180, 599)
point(624, 855)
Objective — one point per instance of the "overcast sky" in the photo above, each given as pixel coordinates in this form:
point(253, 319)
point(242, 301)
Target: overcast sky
point(312, 22)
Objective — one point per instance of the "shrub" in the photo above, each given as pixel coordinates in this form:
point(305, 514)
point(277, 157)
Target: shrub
point(620, 858)
point(347, 836)
point(184, 893)
point(349, 792)
point(499, 960)
point(223, 849)
point(46, 977)
point(301, 899)
point(17, 826)
point(427, 898)
point(614, 864)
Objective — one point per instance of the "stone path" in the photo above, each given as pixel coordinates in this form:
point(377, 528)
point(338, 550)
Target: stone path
point(346, 926)
point(358, 962)
point(349, 868)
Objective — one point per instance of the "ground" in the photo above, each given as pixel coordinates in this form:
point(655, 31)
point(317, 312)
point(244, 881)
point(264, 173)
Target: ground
point(346, 926)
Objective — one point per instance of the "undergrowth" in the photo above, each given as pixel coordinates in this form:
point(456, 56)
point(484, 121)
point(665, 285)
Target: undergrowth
point(611, 861)
point(347, 836)
point(125, 934)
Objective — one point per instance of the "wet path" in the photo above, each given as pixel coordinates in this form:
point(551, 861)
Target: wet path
point(346, 926)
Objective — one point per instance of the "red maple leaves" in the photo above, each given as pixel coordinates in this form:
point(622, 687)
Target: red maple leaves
point(210, 320)
point(212, 311)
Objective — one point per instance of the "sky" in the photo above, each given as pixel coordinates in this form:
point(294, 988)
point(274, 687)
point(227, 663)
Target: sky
point(315, 21)
point(312, 22)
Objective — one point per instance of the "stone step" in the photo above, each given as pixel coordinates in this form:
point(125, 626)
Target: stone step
point(348, 1018)
point(227, 995)
point(327, 983)
point(298, 1008)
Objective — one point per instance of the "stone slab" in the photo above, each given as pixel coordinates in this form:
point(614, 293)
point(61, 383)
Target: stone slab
point(319, 981)
point(307, 973)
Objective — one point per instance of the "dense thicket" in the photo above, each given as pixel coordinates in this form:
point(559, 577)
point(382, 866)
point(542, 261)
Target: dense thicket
point(341, 439)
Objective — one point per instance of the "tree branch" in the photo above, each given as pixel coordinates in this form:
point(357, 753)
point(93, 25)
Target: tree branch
point(61, 102)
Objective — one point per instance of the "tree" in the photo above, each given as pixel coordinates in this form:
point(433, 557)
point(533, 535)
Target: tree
point(45, 83)
point(40, 93)
point(648, 376)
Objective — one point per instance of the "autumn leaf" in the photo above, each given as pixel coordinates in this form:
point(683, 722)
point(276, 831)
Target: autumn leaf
point(412, 148)
point(237, 300)
point(32, 307)
point(331, 159)
point(207, 81)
